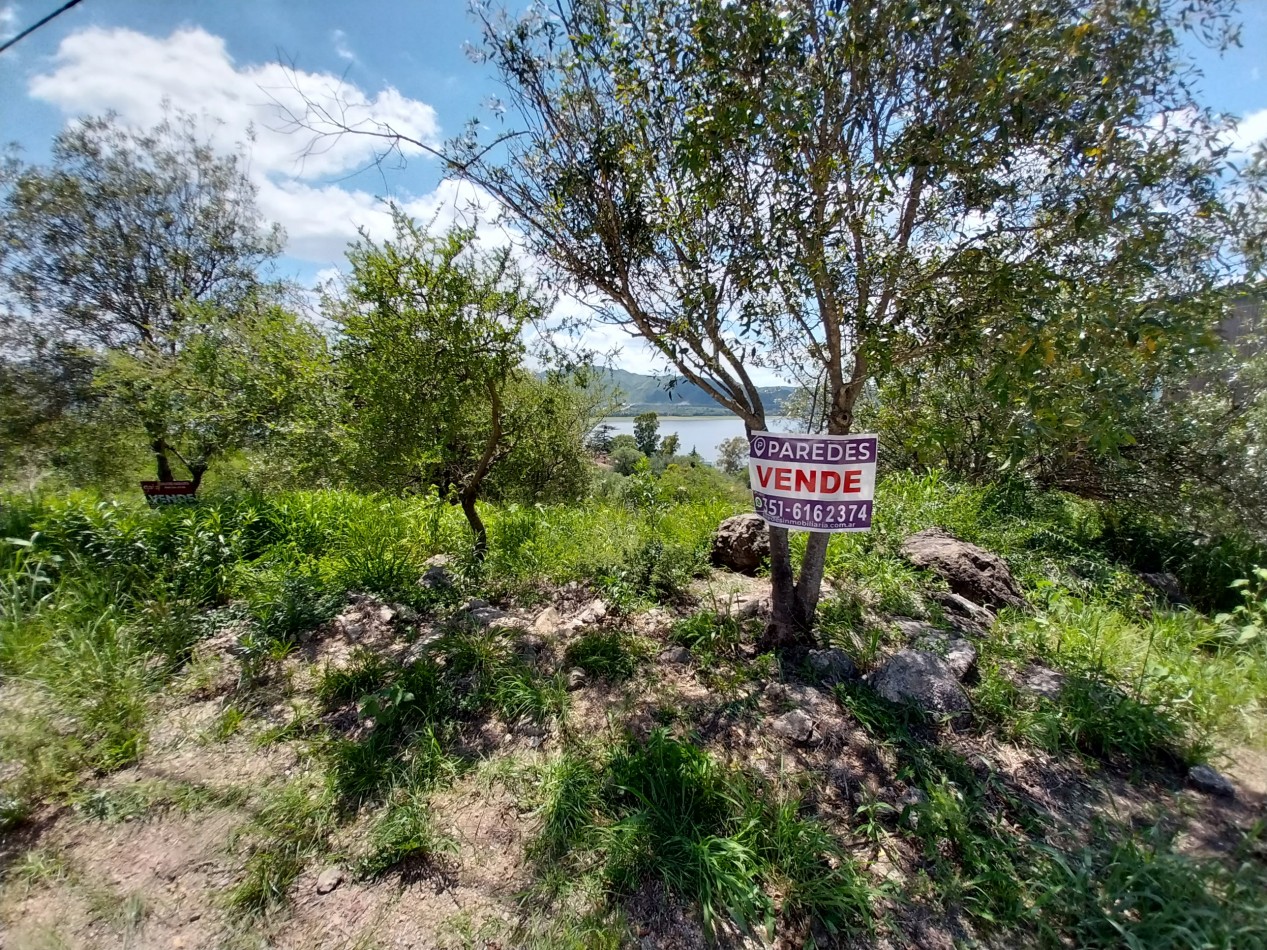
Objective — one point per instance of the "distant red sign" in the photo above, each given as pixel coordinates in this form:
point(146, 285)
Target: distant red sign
point(161, 494)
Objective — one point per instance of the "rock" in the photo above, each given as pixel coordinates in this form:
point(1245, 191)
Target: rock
point(819, 705)
point(1167, 584)
point(386, 614)
point(437, 573)
point(741, 544)
point(914, 630)
point(678, 656)
point(494, 618)
point(652, 622)
point(527, 726)
point(795, 726)
point(832, 665)
point(576, 678)
point(961, 656)
point(972, 572)
point(1042, 681)
point(1212, 782)
point(912, 797)
point(595, 611)
point(329, 879)
point(591, 613)
point(547, 621)
point(969, 618)
point(487, 616)
point(923, 679)
point(529, 646)
point(473, 604)
point(749, 606)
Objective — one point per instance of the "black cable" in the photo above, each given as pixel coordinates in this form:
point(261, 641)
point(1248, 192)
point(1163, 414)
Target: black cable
point(38, 23)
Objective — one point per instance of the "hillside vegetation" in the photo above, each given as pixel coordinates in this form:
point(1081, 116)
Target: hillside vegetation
point(636, 393)
point(213, 714)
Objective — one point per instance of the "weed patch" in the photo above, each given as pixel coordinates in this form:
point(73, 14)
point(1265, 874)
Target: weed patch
point(664, 809)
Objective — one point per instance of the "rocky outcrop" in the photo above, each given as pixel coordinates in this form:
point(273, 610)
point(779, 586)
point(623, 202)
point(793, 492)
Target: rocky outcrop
point(959, 654)
point(832, 665)
point(971, 571)
point(923, 679)
point(968, 618)
point(741, 544)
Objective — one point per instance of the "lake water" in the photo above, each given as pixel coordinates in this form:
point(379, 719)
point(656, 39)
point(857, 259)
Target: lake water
point(702, 433)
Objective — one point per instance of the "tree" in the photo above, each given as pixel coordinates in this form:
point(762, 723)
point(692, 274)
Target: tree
point(670, 444)
point(600, 440)
point(230, 381)
point(647, 432)
point(625, 459)
point(431, 354)
point(732, 455)
point(547, 462)
point(126, 238)
point(834, 190)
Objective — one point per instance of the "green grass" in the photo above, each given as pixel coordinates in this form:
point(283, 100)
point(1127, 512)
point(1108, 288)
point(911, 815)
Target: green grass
point(403, 834)
point(612, 655)
point(102, 605)
point(665, 809)
point(1129, 889)
point(290, 827)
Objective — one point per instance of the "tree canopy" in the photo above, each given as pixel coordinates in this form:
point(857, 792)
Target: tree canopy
point(832, 190)
point(124, 240)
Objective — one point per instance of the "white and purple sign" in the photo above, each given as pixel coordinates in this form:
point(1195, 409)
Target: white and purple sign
point(813, 482)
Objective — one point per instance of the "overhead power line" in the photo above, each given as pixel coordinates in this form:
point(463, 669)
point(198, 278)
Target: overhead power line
point(38, 23)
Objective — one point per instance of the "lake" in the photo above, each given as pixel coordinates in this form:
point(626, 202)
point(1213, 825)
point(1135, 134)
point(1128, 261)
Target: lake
point(702, 433)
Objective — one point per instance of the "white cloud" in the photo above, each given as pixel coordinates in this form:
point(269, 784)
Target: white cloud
point(341, 47)
point(137, 75)
point(1250, 131)
point(98, 69)
point(8, 20)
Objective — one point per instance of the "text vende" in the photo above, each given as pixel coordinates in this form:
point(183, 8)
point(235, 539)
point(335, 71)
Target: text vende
point(821, 481)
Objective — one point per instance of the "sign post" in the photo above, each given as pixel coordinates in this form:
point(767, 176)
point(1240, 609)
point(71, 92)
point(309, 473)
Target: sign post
point(813, 482)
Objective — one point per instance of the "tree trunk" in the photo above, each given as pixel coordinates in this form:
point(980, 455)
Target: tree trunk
point(163, 464)
point(477, 525)
point(196, 472)
point(472, 488)
point(794, 600)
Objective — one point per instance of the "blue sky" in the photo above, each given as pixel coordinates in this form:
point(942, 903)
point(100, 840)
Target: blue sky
point(221, 58)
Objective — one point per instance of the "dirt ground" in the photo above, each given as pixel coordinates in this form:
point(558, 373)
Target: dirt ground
point(78, 878)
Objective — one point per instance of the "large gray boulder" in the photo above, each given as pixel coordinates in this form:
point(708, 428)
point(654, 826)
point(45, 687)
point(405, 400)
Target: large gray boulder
point(741, 544)
point(972, 572)
point(923, 679)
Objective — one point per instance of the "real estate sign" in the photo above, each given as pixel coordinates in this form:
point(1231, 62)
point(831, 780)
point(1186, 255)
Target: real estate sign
point(813, 482)
point(162, 494)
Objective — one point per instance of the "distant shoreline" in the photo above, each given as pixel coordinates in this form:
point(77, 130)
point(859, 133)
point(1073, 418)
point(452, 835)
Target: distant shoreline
point(703, 415)
point(664, 418)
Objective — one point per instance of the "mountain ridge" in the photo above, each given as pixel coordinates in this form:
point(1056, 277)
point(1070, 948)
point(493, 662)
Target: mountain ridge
point(675, 395)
